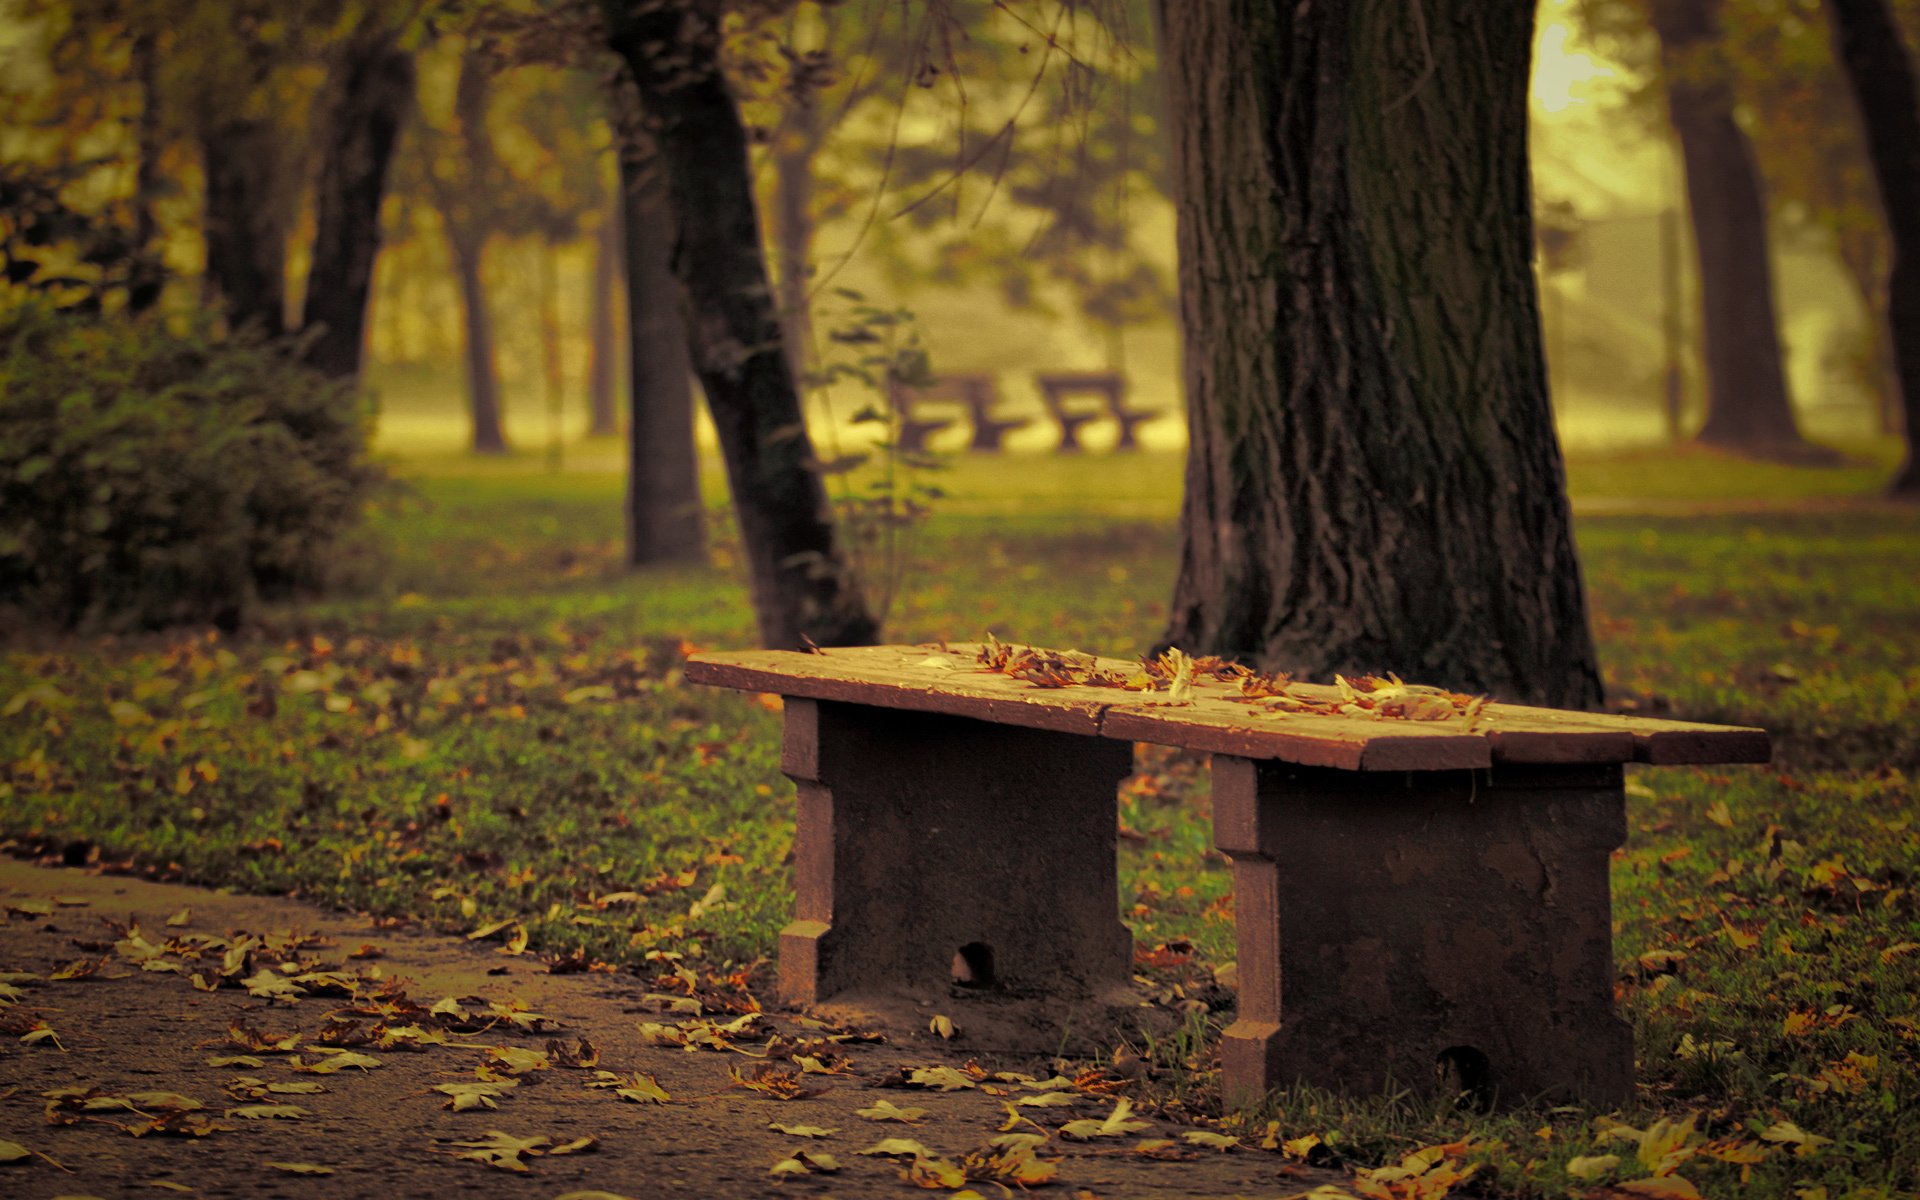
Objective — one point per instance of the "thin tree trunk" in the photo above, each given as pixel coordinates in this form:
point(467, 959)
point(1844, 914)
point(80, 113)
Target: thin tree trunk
point(1882, 74)
point(373, 91)
point(483, 375)
point(1748, 407)
point(149, 276)
point(1373, 481)
point(793, 224)
point(665, 521)
point(802, 585)
point(603, 353)
point(246, 240)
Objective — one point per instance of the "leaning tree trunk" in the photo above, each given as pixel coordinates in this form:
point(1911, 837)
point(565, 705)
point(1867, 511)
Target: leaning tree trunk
point(1882, 75)
point(483, 375)
point(372, 89)
point(603, 352)
point(665, 522)
point(246, 242)
point(795, 148)
point(1748, 408)
point(802, 585)
point(1373, 481)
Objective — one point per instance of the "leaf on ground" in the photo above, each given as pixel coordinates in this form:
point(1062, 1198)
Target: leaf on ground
point(1787, 1133)
point(639, 1087)
point(515, 1060)
point(246, 1037)
point(1664, 1187)
point(79, 968)
point(1162, 1150)
point(183, 917)
point(885, 1110)
point(1212, 1141)
point(1048, 1100)
point(942, 1079)
point(466, 1097)
point(509, 1153)
point(1117, 1123)
point(943, 1027)
point(934, 1173)
point(580, 1056)
point(40, 1032)
point(805, 1131)
point(896, 1147)
point(299, 1168)
point(338, 1061)
point(247, 1061)
point(269, 1112)
point(770, 1079)
point(13, 1152)
point(488, 930)
point(805, 1162)
point(271, 985)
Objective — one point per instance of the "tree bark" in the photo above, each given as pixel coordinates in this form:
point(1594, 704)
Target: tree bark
point(466, 218)
point(149, 275)
point(665, 520)
point(802, 585)
point(1373, 480)
point(603, 351)
point(483, 375)
point(372, 90)
point(1748, 407)
point(793, 226)
point(244, 230)
point(1882, 75)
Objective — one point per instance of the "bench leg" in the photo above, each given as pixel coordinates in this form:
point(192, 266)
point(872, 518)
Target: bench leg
point(1443, 930)
point(926, 840)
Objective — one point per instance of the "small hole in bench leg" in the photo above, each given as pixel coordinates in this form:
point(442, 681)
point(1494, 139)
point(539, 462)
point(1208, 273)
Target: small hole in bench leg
point(1466, 1075)
point(973, 965)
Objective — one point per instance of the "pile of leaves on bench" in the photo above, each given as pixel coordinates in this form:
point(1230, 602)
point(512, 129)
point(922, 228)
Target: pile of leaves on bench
point(1175, 673)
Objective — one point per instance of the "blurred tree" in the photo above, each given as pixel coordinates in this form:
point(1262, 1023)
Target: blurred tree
point(1880, 68)
point(603, 320)
point(1748, 408)
point(370, 92)
point(1373, 479)
point(802, 587)
point(468, 186)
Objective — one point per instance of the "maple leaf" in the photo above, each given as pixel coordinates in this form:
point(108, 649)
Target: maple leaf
point(13, 1152)
point(1590, 1167)
point(805, 1131)
point(805, 1162)
point(1212, 1141)
point(1663, 1187)
point(503, 1150)
point(515, 1060)
point(580, 1056)
point(338, 1060)
point(642, 1088)
point(1048, 1100)
point(896, 1148)
point(943, 1079)
point(1116, 1124)
point(770, 1079)
point(246, 1037)
point(885, 1110)
point(466, 1097)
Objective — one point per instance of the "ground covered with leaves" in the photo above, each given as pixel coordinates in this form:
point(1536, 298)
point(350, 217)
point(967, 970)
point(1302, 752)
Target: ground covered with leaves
point(500, 745)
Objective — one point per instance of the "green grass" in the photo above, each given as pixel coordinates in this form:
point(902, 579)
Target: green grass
point(496, 731)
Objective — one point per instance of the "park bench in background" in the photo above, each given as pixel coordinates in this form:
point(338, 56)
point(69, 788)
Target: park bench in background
point(1058, 387)
point(1410, 896)
point(977, 393)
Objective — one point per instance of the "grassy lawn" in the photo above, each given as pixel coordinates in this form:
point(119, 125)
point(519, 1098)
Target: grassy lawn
point(496, 732)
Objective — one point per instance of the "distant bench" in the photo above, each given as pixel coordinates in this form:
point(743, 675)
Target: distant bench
point(978, 394)
point(1411, 897)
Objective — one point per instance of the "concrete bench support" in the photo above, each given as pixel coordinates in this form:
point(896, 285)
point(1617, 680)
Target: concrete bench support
point(925, 839)
point(1427, 929)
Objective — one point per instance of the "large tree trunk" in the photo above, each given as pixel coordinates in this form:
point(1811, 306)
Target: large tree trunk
point(1373, 481)
point(372, 92)
point(665, 522)
point(1882, 75)
point(245, 235)
point(603, 351)
point(1748, 409)
point(802, 585)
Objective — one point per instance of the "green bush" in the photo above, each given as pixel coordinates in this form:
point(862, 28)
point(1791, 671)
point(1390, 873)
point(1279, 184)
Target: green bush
point(151, 475)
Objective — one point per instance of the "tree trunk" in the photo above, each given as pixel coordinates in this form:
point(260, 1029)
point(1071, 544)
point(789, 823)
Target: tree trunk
point(149, 273)
point(483, 375)
point(1373, 480)
point(603, 352)
point(665, 521)
point(1881, 72)
point(373, 90)
point(1748, 409)
point(793, 226)
point(246, 240)
point(802, 586)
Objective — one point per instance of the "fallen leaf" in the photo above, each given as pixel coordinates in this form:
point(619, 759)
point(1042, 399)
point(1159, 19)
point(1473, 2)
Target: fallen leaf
point(1212, 1141)
point(1048, 1100)
point(1116, 1124)
point(268, 1112)
point(896, 1147)
point(943, 1079)
point(13, 1152)
point(885, 1110)
point(805, 1163)
point(467, 1097)
point(1665, 1187)
point(805, 1131)
point(298, 1168)
point(1592, 1166)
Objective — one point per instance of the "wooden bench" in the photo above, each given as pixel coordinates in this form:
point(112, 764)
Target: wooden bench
point(1056, 387)
point(1411, 896)
point(976, 392)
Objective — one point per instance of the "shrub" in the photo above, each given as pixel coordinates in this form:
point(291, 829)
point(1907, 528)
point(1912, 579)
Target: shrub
point(151, 476)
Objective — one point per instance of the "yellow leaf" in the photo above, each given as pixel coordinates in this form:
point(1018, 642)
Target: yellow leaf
point(1719, 814)
point(885, 1110)
point(1592, 1166)
point(298, 1168)
point(1300, 1147)
point(896, 1147)
point(1212, 1141)
point(1665, 1187)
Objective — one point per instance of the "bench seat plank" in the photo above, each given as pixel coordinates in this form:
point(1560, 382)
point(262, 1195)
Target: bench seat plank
point(947, 680)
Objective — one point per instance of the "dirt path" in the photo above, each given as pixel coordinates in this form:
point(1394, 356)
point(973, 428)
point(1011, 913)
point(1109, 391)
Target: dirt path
point(384, 1131)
